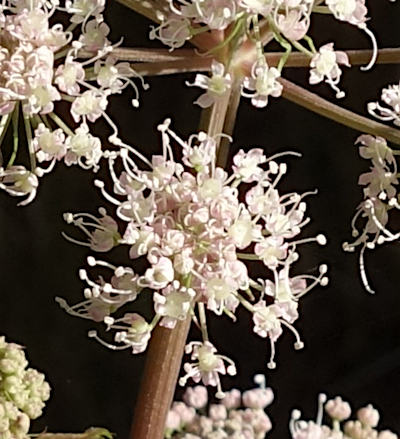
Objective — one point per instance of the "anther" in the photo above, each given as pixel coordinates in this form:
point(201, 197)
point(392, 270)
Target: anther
point(68, 217)
point(82, 274)
point(321, 239)
point(91, 261)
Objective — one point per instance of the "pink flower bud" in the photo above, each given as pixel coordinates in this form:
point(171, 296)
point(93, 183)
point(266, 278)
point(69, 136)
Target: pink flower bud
point(185, 413)
point(196, 397)
point(258, 398)
point(386, 434)
point(217, 412)
point(338, 409)
point(368, 416)
point(232, 399)
point(173, 420)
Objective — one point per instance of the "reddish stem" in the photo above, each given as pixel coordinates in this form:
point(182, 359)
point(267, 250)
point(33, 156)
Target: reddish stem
point(163, 363)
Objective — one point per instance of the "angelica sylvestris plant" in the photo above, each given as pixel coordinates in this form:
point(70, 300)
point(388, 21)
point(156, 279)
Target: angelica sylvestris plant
point(23, 392)
point(199, 237)
point(43, 63)
point(340, 426)
point(237, 415)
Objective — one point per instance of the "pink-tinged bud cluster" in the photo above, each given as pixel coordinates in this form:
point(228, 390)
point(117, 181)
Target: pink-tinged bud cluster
point(380, 198)
point(236, 416)
point(197, 236)
point(43, 62)
point(339, 411)
point(238, 22)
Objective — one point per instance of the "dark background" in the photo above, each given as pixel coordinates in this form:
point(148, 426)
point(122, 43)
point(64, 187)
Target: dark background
point(352, 338)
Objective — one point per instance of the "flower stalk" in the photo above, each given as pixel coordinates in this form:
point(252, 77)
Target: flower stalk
point(165, 352)
point(313, 102)
point(161, 371)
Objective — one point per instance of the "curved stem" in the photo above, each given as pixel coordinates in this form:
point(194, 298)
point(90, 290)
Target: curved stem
point(313, 102)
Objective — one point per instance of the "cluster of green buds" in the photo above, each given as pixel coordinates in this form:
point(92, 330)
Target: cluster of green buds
point(23, 392)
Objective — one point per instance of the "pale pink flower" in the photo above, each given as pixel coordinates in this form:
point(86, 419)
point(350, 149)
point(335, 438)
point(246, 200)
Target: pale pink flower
point(220, 294)
point(216, 14)
point(106, 235)
point(310, 430)
point(246, 165)
point(68, 75)
point(386, 434)
point(173, 303)
point(391, 97)
point(262, 7)
point(196, 396)
point(217, 85)
point(232, 399)
point(325, 66)
point(144, 241)
point(352, 11)
point(94, 36)
point(262, 84)
point(173, 31)
point(201, 155)
point(243, 231)
point(49, 145)
point(90, 104)
point(102, 232)
point(217, 412)
point(257, 398)
point(160, 275)
point(137, 334)
point(82, 9)
point(338, 409)
point(83, 149)
point(173, 420)
point(19, 182)
point(368, 416)
point(266, 320)
point(207, 365)
point(294, 24)
point(259, 421)
point(379, 181)
point(262, 201)
point(186, 414)
point(41, 100)
point(271, 250)
point(375, 149)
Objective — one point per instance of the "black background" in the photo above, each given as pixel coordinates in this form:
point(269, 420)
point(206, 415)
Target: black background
point(352, 338)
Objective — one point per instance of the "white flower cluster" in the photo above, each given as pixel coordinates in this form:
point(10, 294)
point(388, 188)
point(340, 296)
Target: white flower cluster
point(238, 415)
point(288, 20)
point(380, 197)
point(41, 63)
point(23, 392)
point(197, 235)
point(364, 427)
point(391, 97)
